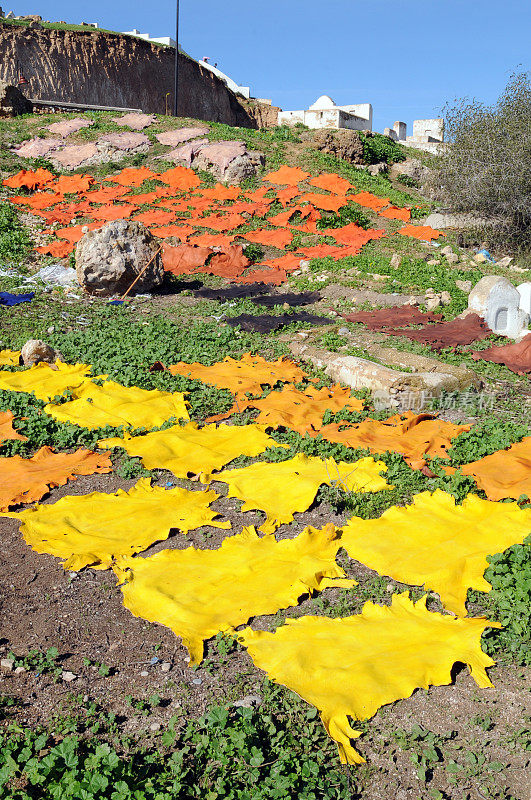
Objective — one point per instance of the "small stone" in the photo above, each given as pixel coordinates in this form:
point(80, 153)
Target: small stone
point(465, 286)
point(155, 726)
point(433, 262)
point(447, 250)
point(389, 587)
point(19, 670)
point(446, 298)
point(197, 681)
point(413, 301)
point(144, 673)
point(68, 677)
point(7, 663)
point(165, 666)
point(452, 258)
point(51, 329)
point(85, 698)
point(304, 265)
point(396, 260)
point(479, 258)
point(249, 701)
point(433, 302)
point(343, 331)
point(430, 292)
point(504, 262)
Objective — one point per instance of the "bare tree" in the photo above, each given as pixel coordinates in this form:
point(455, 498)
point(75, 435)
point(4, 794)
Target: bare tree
point(487, 166)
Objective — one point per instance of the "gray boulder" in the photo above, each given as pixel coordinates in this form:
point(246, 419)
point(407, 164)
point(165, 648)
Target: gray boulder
point(412, 168)
point(228, 161)
point(109, 259)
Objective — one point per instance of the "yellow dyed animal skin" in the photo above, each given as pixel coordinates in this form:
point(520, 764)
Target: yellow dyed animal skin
point(99, 529)
point(46, 381)
point(198, 593)
point(283, 488)
point(354, 665)
point(9, 358)
point(112, 404)
point(193, 450)
point(436, 543)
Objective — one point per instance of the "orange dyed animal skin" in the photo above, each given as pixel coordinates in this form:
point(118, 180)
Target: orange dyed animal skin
point(301, 411)
point(247, 375)
point(415, 436)
point(7, 432)
point(26, 480)
point(287, 176)
point(504, 474)
point(421, 232)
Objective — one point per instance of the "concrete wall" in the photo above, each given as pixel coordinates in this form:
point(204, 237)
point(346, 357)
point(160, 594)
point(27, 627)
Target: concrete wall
point(113, 70)
point(428, 130)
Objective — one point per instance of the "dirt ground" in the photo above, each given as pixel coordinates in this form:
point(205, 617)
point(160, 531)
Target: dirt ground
point(82, 615)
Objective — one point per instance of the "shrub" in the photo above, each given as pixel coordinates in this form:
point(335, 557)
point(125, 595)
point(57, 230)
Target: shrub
point(486, 167)
point(377, 148)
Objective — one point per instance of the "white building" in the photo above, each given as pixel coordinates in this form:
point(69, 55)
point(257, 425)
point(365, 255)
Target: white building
point(324, 113)
point(244, 91)
point(428, 134)
point(167, 40)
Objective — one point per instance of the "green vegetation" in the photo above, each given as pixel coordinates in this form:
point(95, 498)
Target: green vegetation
point(39, 662)
point(279, 750)
point(486, 168)
point(14, 238)
point(378, 148)
point(345, 216)
point(509, 574)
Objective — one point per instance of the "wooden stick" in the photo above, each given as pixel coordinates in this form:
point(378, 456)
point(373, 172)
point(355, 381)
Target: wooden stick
point(153, 257)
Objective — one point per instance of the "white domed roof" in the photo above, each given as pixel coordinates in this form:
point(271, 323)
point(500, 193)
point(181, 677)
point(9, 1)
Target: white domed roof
point(323, 102)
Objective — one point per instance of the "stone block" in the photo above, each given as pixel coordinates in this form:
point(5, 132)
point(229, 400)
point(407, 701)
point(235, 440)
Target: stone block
point(400, 128)
point(498, 302)
point(429, 130)
point(524, 290)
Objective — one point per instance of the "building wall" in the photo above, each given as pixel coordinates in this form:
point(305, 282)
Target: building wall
point(113, 70)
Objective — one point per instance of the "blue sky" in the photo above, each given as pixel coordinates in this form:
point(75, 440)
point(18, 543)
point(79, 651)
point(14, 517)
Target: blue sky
point(406, 57)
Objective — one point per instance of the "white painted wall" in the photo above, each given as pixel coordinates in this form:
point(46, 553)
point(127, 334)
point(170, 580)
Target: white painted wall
point(325, 114)
point(244, 91)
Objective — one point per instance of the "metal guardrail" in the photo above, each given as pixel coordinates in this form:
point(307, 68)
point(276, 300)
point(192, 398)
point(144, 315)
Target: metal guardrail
point(79, 106)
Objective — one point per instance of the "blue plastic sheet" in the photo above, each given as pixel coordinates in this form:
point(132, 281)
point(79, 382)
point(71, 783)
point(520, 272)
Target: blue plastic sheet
point(8, 299)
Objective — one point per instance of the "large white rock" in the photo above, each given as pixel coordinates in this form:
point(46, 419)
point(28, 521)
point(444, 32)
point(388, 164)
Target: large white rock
point(108, 260)
point(498, 302)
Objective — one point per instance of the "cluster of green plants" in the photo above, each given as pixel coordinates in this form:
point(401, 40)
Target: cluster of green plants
point(509, 574)
point(39, 662)
point(378, 148)
point(15, 241)
point(345, 216)
point(279, 750)
point(484, 438)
